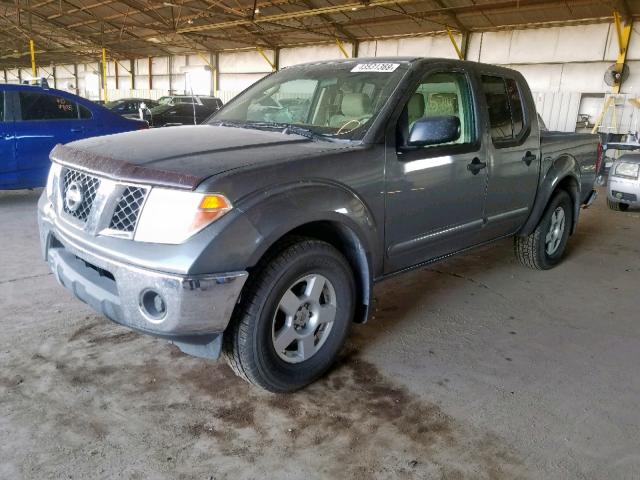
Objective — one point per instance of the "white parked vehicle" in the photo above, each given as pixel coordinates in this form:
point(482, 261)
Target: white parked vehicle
point(623, 187)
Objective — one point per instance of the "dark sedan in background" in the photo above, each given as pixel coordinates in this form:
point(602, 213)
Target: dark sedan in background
point(130, 107)
point(182, 110)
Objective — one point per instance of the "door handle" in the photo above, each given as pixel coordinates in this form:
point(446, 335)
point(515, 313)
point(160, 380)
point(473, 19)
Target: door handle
point(77, 129)
point(528, 158)
point(476, 165)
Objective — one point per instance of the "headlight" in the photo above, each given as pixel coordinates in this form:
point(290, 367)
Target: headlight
point(627, 170)
point(54, 173)
point(172, 216)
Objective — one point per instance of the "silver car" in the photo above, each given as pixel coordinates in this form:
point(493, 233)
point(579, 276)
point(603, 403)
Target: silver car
point(623, 187)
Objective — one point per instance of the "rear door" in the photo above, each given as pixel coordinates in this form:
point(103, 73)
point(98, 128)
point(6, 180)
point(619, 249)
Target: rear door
point(43, 120)
point(513, 152)
point(434, 194)
point(8, 165)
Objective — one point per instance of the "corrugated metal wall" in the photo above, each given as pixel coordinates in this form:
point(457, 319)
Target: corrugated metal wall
point(559, 110)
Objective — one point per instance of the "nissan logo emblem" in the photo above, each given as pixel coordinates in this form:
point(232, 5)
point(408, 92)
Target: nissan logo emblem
point(74, 197)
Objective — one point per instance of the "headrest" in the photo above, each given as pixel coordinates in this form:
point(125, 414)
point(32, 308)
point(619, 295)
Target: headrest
point(355, 104)
point(415, 108)
point(442, 104)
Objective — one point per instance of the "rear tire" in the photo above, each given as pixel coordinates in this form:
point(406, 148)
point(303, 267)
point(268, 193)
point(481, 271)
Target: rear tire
point(543, 249)
point(293, 317)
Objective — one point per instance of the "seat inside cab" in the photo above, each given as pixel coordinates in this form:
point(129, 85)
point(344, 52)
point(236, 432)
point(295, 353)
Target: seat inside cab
point(355, 110)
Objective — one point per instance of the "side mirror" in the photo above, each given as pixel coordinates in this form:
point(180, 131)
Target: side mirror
point(434, 130)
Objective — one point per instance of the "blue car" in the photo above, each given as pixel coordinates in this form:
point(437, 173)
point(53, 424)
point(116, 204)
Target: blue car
point(34, 119)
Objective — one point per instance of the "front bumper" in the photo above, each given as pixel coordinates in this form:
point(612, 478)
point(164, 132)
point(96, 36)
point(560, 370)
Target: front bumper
point(623, 190)
point(196, 308)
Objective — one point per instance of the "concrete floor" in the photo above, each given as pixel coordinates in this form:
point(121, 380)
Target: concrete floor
point(472, 368)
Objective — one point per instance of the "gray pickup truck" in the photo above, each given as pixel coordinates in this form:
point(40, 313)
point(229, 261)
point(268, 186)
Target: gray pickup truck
point(259, 234)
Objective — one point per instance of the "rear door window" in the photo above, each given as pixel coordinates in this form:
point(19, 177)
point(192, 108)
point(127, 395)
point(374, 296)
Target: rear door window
point(85, 113)
point(44, 106)
point(504, 103)
point(515, 104)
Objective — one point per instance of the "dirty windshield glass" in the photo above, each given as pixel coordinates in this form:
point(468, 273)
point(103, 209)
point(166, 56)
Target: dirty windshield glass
point(338, 100)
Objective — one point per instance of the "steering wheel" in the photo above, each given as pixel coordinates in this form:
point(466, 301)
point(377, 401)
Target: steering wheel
point(344, 126)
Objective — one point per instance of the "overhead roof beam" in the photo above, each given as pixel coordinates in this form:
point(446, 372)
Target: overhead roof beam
point(447, 11)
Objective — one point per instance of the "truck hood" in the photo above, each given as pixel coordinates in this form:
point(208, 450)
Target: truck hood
point(182, 157)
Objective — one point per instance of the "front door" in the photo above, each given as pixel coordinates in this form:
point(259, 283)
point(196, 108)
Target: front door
point(7, 144)
point(434, 193)
point(513, 153)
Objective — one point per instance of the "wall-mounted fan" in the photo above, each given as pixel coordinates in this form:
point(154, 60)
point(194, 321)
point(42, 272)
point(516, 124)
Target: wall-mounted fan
point(614, 78)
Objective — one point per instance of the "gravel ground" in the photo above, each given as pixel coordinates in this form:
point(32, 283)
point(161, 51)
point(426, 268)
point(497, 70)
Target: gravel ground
point(472, 368)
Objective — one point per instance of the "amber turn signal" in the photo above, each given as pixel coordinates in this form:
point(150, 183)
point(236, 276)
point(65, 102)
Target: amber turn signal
point(214, 202)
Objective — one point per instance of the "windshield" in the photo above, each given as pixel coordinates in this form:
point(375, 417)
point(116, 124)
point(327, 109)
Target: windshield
point(338, 100)
point(165, 100)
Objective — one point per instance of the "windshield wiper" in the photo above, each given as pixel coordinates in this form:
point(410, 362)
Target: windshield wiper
point(286, 128)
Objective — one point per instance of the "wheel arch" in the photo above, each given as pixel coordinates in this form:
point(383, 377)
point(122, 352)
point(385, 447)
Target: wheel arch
point(348, 243)
point(323, 210)
point(564, 174)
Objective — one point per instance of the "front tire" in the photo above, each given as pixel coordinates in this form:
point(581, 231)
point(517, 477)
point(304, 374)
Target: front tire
point(293, 317)
point(543, 249)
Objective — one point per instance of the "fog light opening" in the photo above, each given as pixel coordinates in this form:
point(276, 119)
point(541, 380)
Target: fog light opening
point(153, 305)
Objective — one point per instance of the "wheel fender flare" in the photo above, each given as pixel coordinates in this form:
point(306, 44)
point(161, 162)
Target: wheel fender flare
point(272, 214)
point(563, 173)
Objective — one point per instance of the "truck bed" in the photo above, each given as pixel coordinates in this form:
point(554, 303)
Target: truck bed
point(582, 147)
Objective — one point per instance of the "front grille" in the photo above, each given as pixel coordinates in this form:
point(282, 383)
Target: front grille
point(125, 215)
point(87, 185)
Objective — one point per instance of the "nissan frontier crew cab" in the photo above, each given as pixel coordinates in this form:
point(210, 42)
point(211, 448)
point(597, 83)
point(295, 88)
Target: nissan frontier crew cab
point(259, 234)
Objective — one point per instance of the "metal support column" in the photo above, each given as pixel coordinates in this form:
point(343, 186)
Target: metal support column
point(150, 74)
point(75, 78)
point(132, 71)
point(216, 73)
point(32, 50)
point(105, 95)
point(624, 35)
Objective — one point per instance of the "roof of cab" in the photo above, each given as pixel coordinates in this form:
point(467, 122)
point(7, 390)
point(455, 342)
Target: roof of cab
point(35, 88)
point(408, 61)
